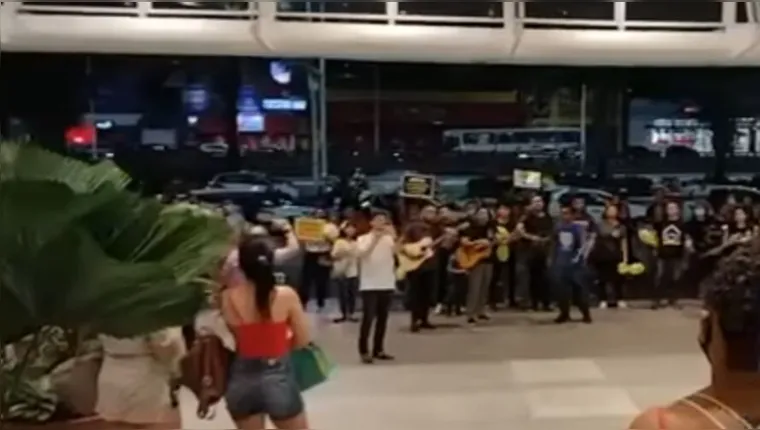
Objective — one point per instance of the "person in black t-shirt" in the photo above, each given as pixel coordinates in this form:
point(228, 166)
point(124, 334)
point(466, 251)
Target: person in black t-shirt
point(479, 231)
point(582, 216)
point(609, 249)
point(738, 226)
point(500, 287)
point(673, 246)
point(534, 230)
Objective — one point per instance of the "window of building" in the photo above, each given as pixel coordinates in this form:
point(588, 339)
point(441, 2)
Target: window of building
point(489, 9)
point(663, 11)
point(593, 10)
point(364, 7)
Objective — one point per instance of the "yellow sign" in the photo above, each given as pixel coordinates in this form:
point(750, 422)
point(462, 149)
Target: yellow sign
point(530, 179)
point(418, 186)
point(310, 229)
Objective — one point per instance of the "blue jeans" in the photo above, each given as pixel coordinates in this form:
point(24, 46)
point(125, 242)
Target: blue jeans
point(570, 283)
point(263, 386)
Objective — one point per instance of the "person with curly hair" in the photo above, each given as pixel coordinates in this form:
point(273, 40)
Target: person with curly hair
point(730, 339)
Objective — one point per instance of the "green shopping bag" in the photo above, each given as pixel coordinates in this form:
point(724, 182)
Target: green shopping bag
point(311, 366)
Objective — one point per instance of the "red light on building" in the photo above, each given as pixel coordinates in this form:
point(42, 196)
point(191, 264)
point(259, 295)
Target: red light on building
point(81, 135)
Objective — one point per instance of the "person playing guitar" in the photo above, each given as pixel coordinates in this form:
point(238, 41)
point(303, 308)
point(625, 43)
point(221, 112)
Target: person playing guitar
point(417, 265)
point(475, 248)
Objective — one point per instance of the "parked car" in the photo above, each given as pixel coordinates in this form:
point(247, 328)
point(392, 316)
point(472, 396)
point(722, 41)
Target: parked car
point(253, 182)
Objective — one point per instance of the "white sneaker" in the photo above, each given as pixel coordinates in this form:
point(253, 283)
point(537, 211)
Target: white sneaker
point(438, 309)
point(622, 305)
point(602, 305)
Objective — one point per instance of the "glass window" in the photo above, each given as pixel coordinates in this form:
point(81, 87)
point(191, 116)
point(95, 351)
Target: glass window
point(506, 138)
point(467, 9)
point(655, 10)
point(478, 138)
point(115, 4)
point(367, 7)
point(601, 10)
point(201, 5)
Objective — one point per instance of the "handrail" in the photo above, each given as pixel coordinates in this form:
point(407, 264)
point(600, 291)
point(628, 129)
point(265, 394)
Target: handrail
point(386, 18)
point(512, 14)
point(139, 9)
point(600, 23)
point(78, 10)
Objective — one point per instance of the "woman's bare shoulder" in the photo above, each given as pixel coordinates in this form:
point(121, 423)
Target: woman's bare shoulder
point(651, 419)
point(286, 292)
point(666, 418)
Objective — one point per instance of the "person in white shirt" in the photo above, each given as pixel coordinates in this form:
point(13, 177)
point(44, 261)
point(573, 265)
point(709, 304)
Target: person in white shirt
point(346, 271)
point(377, 282)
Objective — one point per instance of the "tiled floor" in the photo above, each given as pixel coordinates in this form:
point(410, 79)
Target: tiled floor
point(516, 372)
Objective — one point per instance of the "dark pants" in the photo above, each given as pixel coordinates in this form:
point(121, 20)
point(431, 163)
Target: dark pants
point(669, 271)
point(347, 290)
point(610, 282)
point(511, 281)
point(442, 276)
point(457, 294)
point(570, 287)
point(497, 292)
point(375, 306)
point(532, 280)
point(420, 290)
point(314, 275)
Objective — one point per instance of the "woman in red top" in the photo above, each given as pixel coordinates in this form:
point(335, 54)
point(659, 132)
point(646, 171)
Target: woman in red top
point(267, 321)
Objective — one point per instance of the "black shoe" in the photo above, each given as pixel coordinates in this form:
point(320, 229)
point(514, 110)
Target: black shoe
point(472, 321)
point(587, 319)
point(427, 326)
point(458, 311)
point(383, 356)
point(562, 319)
point(367, 359)
point(484, 317)
point(414, 328)
point(340, 320)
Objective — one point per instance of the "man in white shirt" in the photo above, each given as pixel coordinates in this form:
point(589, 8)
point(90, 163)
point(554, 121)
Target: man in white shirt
point(377, 282)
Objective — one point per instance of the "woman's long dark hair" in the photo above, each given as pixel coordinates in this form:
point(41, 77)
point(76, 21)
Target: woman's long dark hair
point(256, 261)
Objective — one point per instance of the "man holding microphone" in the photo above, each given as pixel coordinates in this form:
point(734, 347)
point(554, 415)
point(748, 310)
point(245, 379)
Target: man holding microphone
point(377, 282)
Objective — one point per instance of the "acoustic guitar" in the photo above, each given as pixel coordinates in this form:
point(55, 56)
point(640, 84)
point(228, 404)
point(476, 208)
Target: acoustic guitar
point(412, 255)
point(468, 256)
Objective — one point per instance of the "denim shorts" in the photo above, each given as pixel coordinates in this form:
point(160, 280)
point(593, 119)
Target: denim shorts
point(263, 386)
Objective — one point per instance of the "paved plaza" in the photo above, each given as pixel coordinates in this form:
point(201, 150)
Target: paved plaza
point(519, 371)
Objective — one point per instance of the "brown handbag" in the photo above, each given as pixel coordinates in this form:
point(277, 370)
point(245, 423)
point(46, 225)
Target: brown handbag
point(204, 370)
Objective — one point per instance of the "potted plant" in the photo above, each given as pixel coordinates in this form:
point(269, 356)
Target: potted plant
point(81, 255)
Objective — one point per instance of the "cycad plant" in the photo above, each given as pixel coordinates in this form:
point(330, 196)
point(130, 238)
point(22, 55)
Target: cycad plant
point(80, 252)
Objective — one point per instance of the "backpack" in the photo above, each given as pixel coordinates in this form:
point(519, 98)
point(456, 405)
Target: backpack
point(204, 371)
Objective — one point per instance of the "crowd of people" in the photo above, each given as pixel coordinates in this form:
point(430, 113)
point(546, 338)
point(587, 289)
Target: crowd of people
point(457, 262)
